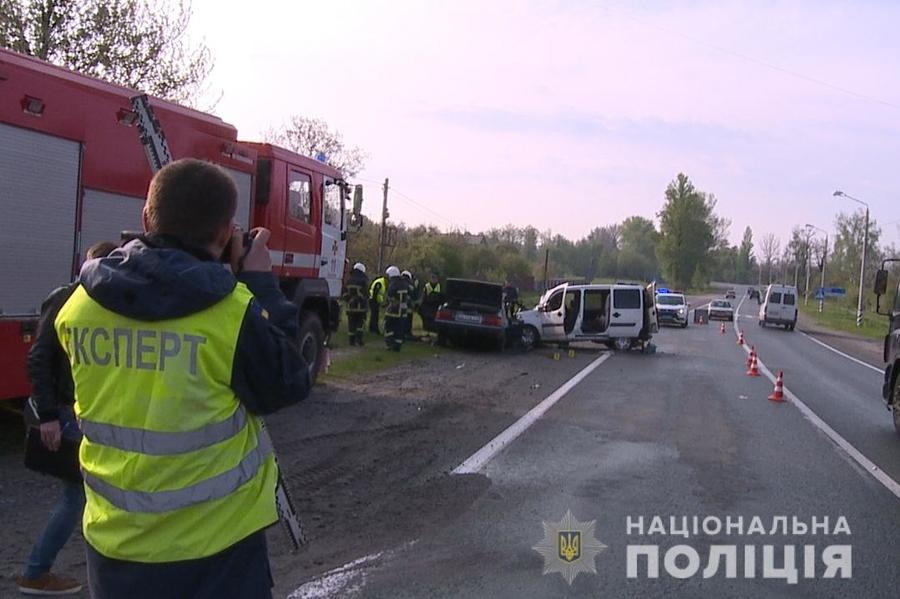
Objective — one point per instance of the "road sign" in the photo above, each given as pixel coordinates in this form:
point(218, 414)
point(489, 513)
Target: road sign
point(823, 292)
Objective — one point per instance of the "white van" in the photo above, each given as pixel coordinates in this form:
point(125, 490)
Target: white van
point(622, 315)
point(779, 306)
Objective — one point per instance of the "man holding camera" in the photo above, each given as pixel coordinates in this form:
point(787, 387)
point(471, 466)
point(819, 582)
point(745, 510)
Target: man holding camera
point(173, 358)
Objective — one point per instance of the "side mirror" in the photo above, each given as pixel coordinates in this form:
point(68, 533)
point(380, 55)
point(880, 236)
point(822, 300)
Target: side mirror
point(881, 281)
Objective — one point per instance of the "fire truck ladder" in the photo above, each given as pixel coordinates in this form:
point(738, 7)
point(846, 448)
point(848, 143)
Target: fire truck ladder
point(152, 136)
point(154, 141)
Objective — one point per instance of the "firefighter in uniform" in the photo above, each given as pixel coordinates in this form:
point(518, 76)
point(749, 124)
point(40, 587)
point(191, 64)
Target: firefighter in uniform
point(431, 299)
point(396, 309)
point(413, 302)
point(356, 297)
point(172, 359)
point(376, 299)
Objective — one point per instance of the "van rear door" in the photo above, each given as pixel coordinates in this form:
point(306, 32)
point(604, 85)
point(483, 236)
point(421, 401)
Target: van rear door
point(627, 312)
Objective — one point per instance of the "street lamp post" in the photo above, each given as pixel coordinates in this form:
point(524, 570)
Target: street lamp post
point(862, 267)
point(806, 291)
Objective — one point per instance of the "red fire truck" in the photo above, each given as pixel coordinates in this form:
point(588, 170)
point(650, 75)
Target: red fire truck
point(73, 172)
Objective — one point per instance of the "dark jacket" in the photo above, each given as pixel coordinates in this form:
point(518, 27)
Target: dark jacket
point(48, 366)
point(358, 300)
point(398, 297)
point(156, 278)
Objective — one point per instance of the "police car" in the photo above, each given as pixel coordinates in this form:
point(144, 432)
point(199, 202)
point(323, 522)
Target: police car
point(672, 308)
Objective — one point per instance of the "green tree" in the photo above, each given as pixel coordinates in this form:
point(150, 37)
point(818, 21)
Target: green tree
point(687, 230)
point(637, 257)
point(140, 44)
point(844, 261)
point(745, 257)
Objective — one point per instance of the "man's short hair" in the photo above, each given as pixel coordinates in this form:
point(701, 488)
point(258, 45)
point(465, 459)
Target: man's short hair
point(191, 200)
point(100, 250)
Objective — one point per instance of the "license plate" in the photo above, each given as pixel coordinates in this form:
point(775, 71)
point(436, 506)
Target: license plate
point(473, 318)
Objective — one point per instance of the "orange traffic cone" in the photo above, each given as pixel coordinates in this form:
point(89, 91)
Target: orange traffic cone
point(722, 328)
point(740, 340)
point(751, 355)
point(778, 393)
point(754, 368)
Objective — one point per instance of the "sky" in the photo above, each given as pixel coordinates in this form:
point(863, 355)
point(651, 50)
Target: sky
point(572, 115)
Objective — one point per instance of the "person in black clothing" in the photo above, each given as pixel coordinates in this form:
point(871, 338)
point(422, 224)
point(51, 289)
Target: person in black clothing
point(396, 311)
point(52, 396)
point(356, 297)
point(413, 301)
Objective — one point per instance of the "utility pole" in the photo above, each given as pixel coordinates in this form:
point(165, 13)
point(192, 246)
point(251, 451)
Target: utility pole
point(806, 293)
point(382, 235)
point(824, 260)
point(546, 265)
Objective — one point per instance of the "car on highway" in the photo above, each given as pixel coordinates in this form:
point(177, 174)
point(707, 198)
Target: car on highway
point(730, 294)
point(672, 308)
point(720, 310)
point(472, 310)
point(891, 389)
point(779, 306)
point(620, 315)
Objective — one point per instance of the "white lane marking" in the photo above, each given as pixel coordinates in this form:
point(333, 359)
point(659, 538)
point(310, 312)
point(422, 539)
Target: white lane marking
point(840, 353)
point(344, 581)
point(480, 458)
point(877, 473)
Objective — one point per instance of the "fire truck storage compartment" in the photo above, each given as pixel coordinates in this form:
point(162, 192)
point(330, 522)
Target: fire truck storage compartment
point(105, 215)
point(38, 199)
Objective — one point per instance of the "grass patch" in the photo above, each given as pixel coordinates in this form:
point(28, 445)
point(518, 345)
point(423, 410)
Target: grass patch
point(840, 317)
point(374, 356)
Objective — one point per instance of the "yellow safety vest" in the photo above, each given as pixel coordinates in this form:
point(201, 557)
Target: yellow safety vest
point(174, 467)
point(429, 288)
point(377, 289)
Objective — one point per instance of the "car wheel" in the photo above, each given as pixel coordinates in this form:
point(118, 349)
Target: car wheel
point(622, 343)
point(896, 405)
point(530, 337)
point(312, 342)
point(684, 325)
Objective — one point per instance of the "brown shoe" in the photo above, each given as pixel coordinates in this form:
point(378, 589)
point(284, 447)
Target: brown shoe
point(48, 584)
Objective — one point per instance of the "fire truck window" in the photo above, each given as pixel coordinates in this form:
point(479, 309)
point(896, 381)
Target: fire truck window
point(332, 204)
point(300, 200)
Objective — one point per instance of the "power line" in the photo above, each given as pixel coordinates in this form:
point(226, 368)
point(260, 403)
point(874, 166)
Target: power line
point(414, 202)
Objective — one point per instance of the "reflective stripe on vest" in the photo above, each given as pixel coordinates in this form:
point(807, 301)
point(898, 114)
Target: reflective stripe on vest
point(163, 443)
point(174, 466)
point(210, 489)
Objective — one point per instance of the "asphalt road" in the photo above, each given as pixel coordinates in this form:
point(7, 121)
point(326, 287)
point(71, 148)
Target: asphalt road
point(681, 433)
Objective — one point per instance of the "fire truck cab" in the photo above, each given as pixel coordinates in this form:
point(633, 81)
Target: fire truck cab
point(73, 172)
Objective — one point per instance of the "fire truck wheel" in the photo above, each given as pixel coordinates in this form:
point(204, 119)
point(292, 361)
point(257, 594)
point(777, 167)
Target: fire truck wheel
point(312, 340)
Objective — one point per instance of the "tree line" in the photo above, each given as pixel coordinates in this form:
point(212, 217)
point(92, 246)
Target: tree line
point(687, 250)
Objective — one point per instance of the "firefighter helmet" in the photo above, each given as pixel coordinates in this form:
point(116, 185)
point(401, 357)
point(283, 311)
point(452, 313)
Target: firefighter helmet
point(360, 267)
point(392, 271)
